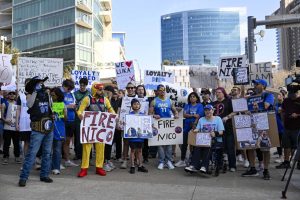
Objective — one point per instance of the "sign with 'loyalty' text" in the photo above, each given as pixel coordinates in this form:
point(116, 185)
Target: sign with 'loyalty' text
point(125, 74)
point(90, 75)
point(226, 64)
point(153, 78)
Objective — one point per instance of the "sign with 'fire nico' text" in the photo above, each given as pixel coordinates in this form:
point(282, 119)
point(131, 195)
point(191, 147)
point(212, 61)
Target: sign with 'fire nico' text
point(226, 65)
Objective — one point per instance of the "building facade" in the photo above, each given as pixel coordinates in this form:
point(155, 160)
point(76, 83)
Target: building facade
point(6, 19)
point(202, 36)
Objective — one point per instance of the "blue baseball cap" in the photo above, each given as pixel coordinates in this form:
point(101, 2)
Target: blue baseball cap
point(260, 81)
point(209, 107)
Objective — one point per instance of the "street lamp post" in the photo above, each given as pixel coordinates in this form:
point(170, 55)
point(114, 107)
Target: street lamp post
point(3, 38)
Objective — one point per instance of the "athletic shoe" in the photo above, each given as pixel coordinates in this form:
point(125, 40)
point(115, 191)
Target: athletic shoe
point(203, 170)
point(251, 172)
point(106, 167)
point(22, 183)
point(246, 164)
point(190, 168)
point(124, 164)
point(240, 158)
point(5, 161)
point(279, 160)
point(120, 160)
point(160, 166)
point(69, 163)
point(18, 160)
point(132, 170)
point(37, 166)
point(62, 167)
point(180, 163)
point(170, 165)
point(283, 165)
point(46, 180)
point(55, 172)
point(232, 169)
point(142, 169)
point(266, 175)
point(111, 165)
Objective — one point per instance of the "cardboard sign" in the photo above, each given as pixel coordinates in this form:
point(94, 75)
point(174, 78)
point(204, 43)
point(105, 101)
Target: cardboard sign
point(199, 139)
point(125, 74)
point(167, 131)
point(59, 108)
point(239, 105)
point(241, 76)
point(90, 75)
point(42, 67)
point(261, 121)
point(203, 77)
point(261, 71)
point(153, 78)
point(5, 68)
point(138, 126)
point(226, 64)
point(177, 94)
point(97, 127)
point(242, 121)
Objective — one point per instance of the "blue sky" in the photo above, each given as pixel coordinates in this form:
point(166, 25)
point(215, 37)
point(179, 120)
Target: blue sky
point(140, 19)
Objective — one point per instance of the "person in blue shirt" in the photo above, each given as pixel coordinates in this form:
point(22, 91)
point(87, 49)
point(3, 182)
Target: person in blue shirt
point(192, 113)
point(208, 124)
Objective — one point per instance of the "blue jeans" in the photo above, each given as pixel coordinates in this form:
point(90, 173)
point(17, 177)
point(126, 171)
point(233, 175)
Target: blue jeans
point(165, 153)
point(36, 140)
point(56, 154)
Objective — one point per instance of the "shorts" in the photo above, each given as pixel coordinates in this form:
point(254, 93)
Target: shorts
point(25, 136)
point(70, 128)
point(290, 139)
point(136, 145)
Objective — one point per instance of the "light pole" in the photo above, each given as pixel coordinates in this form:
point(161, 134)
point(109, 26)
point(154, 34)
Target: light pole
point(3, 38)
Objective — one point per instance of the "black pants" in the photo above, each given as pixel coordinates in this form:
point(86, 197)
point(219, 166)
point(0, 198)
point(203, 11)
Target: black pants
point(200, 157)
point(279, 149)
point(7, 137)
point(184, 146)
point(229, 143)
point(118, 141)
point(77, 144)
point(145, 150)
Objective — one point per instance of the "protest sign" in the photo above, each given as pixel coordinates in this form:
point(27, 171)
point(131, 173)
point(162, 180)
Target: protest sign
point(203, 77)
point(167, 131)
point(261, 71)
point(239, 105)
point(58, 107)
point(126, 108)
point(226, 64)
point(125, 74)
point(29, 67)
point(199, 139)
point(153, 78)
point(261, 121)
point(97, 127)
point(5, 68)
point(177, 94)
point(242, 121)
point(138, 126)
point(90, 75)
point(241, 76)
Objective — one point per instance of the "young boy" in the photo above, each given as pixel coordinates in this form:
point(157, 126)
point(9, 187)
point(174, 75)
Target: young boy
point(136, 144)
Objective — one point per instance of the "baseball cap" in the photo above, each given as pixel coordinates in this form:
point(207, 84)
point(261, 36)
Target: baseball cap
point(260, 81)
point(209, 107)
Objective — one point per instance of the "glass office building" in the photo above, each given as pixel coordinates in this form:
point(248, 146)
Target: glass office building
point(202, 36)
point(60, 28)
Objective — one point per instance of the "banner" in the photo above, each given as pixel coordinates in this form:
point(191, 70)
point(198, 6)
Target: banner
point(29, 67)
point(241, 76)
point(167, 131)
point(138, 126)
point(226, 64)
point(90, 75)
point(177, 94)
point(59, 108)
point(5, 68)
point(97, 127)
point(125, 74)
point(153, 78)
point(261, 71)
point(203, 77)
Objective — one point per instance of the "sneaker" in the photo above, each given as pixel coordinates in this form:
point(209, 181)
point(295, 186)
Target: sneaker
point(232, 169)
point(69, 163)
point(18, 160)
point(132, 170)
point(240, 158)
point(37, 166)
point(46, 180)
point(190, 168)
point(180, 163)
point(5, 161)
point(283, 165)
point(120, 160)
point(22, 183)
point(160, 166)
point(142, 169)
point(251, 172)
point(170, 165)
point(266, 175)
point(62, 167)
point(246, 164)
point(203, 169)
point(106, 167)
point(111, 165)
point(225, 157)
point(55, 172)
point(280, 160)
point(124, 164)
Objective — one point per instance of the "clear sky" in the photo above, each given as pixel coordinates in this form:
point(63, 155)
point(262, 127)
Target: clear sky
point(140, 19)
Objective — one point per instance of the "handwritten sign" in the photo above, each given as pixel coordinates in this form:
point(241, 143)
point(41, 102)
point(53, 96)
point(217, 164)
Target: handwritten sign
point(261, 71)
point(125, 74)
point(261, 121)
point(58, 107)
point(167, 131)
point(242, 121)
point(226, 64)
point(203, 139)
point(29, 67)
point(239, 105)
point(138, 126)
point(244, 134)
point(97, 127)
point(90, 75)
point(153, 78)
point(177, 94)
point(241, 76)
point(203, 77)
point(5, 68)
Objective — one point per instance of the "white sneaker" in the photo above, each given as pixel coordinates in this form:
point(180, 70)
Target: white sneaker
point(106, 167)
point(111, 165)
point(160, 166)
point(55, 172)
point(180, 163)
point(225, 157)
point(240, 158)
point(170, 165)
point(124, 164)
point(37, 166)
point(120, 160)
point(62, 167)
point(246, 164)
point(278, 160)
point(203, 169)
point(69, 163)
point(232, 169)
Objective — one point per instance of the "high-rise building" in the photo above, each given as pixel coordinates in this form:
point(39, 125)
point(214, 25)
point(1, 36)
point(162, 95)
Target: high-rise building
point(67, 29)
point(6, 19)
point(202, 36)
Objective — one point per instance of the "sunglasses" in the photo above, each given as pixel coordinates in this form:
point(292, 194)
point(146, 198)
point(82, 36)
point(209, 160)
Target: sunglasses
point(130, 88)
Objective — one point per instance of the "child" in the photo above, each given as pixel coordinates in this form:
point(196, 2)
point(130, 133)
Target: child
point(136, 144)
point(59, 128)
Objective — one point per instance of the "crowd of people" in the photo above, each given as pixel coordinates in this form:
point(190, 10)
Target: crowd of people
point(44, 122)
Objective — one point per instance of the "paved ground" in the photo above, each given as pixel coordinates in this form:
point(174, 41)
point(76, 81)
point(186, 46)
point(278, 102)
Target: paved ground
point(166, 184)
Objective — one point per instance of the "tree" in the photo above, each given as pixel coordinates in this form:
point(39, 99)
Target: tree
point(13, 51)
point(179, 62)
point(67, 71)
point(166, 62)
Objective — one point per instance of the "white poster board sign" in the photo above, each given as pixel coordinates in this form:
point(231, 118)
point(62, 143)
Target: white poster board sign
point(167, 131)
point(125, 74)
point(153, 78)
point(261, 71)
point(90, 75)
point(239, 105)
point(203, 139)
point(138, 126)
point(226, 64)
point(203, 77)
point(242, 121)
point(261, 121)
point(5, 68)
point(177, 94)
point(97, 127)
point(244, 134)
